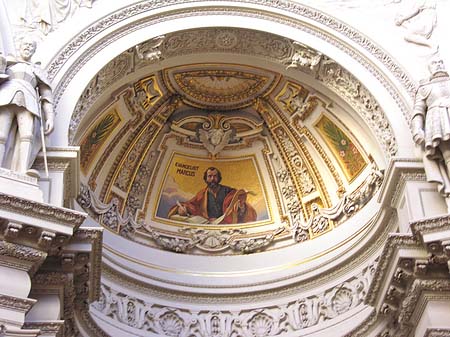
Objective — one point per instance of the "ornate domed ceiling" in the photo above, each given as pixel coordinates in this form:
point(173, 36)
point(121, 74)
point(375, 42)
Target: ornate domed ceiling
point(298, 141)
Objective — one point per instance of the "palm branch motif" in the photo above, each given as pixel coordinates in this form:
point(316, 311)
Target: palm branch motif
point(96, 137)
point(344, 149)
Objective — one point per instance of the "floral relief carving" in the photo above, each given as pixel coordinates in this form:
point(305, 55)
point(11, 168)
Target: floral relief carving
point(304, 178)
point(261, 325)
point(345, 84)
point(271, 321)
point(303, 57)
point(148, 52)
point(299, 9)
point(347, 206)
point(171, 324)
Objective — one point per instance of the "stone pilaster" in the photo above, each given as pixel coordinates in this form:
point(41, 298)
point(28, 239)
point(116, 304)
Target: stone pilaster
point(32, 234)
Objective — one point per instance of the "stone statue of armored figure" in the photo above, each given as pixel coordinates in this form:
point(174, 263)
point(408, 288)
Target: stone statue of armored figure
point(25, 107)
point(431, 125)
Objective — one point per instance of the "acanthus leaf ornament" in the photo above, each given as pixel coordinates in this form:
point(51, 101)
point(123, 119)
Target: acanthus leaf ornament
point(274, 320)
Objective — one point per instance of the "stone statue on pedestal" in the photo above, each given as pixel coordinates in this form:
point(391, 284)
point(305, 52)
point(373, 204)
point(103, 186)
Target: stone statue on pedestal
point(25, 107)
point(431, 125)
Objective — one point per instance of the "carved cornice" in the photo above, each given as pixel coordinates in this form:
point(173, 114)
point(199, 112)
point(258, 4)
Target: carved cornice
point(430, 225)
point(65, 283)
point(17, 176)
point(21, 257)
point(363, 257)
point(16, 303)
point(289, 6)
point(437, 333)
point(41, 211)
point(403, 179)
point(393, 243)
point(53, 327)
point(179, 297)
point(417, 288)
point(291, 316)
point(50, 279)
point(399, 171)
point(417, 277)
point(379, 124)
point(77, 278)
point(21, 252)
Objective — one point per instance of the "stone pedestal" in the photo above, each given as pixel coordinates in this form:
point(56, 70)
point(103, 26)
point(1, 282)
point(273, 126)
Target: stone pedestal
point(61, 187)
point(410, 194)
point(30, 232)
point(20, 185)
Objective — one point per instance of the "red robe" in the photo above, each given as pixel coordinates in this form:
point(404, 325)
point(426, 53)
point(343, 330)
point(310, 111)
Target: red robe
point(198, 205)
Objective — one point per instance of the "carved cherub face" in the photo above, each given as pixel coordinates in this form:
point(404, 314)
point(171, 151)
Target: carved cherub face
point(215, 136)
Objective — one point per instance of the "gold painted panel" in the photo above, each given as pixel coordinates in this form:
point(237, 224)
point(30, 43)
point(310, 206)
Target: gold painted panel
point(96, 137)
point(220, 86)
point(296, 101)
point(350, 158)
point(241, 200)
point(148, 91)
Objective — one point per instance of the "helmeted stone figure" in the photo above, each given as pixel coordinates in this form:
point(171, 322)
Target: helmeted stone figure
point(25, 102)
point(431, 124)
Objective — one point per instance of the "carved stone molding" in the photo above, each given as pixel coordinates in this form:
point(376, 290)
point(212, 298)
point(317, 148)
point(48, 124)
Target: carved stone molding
point(186, 240)
point(409, 274)
point(73, 274)
point(390, 249)
point(398, 173)
point(215, 241)
point(41, 211)
point(273, 320)
point(361, 99)
point(88, 324)
point(63, 161)
point(437, 333)
point(347, 206)
point(430, 225)
point(285, 5)
point(340, 80)
point(52, 328)
point(418, 287)
point(405, 177)
point(16, 303)
point(22, 253)
point(91, 259)
point(17, 176)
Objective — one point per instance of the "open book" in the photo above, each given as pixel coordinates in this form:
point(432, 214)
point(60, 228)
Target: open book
point(196, 219)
